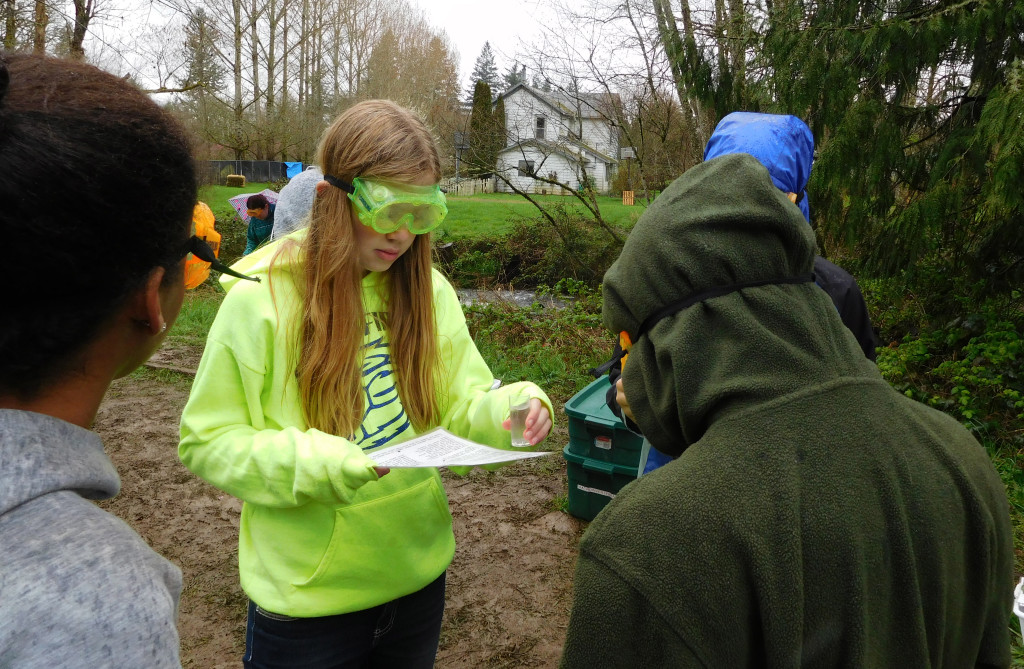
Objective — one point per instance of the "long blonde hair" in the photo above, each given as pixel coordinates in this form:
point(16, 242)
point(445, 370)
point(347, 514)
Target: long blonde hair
point(375, 138)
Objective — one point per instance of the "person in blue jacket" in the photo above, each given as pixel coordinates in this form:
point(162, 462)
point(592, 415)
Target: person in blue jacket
point(261, 221)
point(785, 146)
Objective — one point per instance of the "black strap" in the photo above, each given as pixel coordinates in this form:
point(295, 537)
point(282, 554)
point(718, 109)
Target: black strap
point(200, 249)
point(679, 305)
point(603, 368)
point(340, 183)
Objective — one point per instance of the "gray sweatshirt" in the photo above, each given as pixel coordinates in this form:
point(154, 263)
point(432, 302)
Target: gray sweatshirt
point(78, 587)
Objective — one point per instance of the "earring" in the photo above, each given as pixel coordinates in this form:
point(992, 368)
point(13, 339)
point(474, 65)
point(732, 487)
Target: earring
point(163, 328)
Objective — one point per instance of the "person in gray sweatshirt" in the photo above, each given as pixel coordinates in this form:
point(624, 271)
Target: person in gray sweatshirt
point(295, 202)
point(98, 188)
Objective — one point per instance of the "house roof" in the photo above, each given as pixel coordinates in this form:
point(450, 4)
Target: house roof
point(561, 148)
point(582, 105)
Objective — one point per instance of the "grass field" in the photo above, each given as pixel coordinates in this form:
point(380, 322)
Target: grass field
point(484, 215)
point(493, 214)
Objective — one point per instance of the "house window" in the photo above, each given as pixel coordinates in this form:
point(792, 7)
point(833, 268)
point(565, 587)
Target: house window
point(526, 168)
point(539, 134)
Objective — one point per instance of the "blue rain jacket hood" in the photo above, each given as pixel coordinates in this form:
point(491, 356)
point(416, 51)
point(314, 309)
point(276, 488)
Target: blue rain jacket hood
point(782, 143)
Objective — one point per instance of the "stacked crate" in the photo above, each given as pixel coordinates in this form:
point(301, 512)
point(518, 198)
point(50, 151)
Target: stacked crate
point(602, 455)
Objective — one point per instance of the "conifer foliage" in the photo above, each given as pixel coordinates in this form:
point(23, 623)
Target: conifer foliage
point(482, 155)
point(484, 69)
point(916, 107)
point(498, 128)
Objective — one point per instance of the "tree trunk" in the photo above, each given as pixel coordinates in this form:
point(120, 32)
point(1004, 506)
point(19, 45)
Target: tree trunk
point(722, 47)
point(254, 38)
point(303, 54)
point(40, 19)
point(679, 48)
point(286, 54)
point(236, 8)
point(738, 51)
point(272, 144)
point(10, 27)
point(83, 13)
point(271, 54)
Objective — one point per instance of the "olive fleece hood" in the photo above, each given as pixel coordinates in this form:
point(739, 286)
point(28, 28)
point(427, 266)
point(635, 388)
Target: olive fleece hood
point(722, 224)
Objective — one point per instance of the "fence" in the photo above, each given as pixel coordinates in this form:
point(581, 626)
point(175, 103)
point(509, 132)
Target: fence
point(467, 187)
point(216, 171)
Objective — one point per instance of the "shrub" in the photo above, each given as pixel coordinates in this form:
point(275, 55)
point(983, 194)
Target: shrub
point(232, 238)
point(537, 252)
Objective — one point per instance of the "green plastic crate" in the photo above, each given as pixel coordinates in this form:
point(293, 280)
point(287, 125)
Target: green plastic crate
point(596, 433)
point(593, 483)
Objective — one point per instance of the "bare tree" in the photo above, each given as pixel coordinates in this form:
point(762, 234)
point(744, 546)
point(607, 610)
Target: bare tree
point(10, 24)
point(83, 14)
point(617, 50)
point(40, 21)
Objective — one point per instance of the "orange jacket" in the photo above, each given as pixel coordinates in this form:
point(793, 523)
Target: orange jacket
point(203, 221)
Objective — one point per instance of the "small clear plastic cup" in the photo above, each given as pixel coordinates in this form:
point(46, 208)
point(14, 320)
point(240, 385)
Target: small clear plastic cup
point(518, 409)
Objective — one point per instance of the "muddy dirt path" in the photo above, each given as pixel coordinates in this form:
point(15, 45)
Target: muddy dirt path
point(509, 587)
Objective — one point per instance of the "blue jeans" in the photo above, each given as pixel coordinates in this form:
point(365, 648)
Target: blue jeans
point(401, 634)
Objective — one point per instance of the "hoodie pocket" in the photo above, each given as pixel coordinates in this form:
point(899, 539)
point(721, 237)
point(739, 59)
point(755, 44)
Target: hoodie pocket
point(381, 538)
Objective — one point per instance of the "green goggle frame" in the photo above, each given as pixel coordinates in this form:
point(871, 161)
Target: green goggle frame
point(386, 206)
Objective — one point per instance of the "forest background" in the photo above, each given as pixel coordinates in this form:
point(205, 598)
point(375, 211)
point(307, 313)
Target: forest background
point(915, 106)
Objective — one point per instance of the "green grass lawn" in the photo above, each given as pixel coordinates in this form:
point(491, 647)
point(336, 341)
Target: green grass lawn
point(492, 214)
point(196, 316)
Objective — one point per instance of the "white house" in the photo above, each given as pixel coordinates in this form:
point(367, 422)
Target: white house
point(561, 137)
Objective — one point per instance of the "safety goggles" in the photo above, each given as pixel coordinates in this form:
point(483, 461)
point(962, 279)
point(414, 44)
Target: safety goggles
point(386, 206)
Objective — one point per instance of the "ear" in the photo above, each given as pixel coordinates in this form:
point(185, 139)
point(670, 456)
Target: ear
point(322, 186)
point(792, 197)
point(146, 308)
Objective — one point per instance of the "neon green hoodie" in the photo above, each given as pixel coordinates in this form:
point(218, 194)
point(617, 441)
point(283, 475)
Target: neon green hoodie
point(320, 534)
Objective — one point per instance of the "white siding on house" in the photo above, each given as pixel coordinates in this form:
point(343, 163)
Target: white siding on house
point(543, 165)
point(522, 108)
point(562, 129)
point(598, 134)
point(521, 112)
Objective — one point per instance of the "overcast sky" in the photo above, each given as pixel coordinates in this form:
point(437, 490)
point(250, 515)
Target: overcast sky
point(470, 23)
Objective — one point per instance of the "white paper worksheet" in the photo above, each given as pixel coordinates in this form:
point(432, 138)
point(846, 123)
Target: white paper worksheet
point(441, 448)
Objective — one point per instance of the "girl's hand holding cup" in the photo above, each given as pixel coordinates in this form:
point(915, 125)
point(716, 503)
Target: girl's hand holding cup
point(528, 421)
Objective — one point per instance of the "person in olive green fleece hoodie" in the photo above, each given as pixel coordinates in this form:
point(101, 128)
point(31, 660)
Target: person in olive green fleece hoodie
point(814, 516)
point(342, 560)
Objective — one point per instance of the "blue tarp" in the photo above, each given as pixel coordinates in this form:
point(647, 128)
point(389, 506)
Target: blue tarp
point(291, 169)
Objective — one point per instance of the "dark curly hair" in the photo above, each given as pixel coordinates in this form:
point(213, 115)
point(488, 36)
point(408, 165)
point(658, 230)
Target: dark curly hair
point(97, 187)
point(257, 201)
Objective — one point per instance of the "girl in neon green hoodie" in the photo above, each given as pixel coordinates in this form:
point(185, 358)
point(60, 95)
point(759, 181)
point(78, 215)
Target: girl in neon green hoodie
point(350, 341)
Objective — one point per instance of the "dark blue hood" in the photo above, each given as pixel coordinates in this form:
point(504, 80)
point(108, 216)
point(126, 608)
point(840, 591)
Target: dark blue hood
point(783, 144)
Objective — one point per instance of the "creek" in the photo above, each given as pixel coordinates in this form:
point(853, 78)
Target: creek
point(520, 298)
